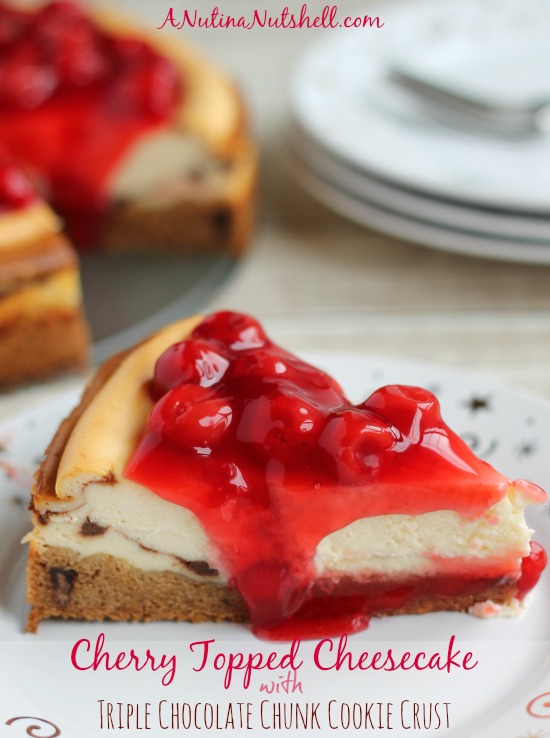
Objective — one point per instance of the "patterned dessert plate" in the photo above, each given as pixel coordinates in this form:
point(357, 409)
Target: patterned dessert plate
point(507, 694)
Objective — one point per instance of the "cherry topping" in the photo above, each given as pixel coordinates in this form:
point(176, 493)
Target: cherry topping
point(239, 331)
point(200, 362)
point(150, 87)
point(355, 440)
point(80, 61)
point(60, 48)
point(128, 52)
point(270, 362)
point(163, 91)
point(532, 567)
point(54, 20)
point(74, 100)
point(16, 190)
point(191, 417)
point(13, 24)
point(26, 79)
point(414, 409)
point(272, 457)
point(53, 25)
point(280, 424)
point(264, 364)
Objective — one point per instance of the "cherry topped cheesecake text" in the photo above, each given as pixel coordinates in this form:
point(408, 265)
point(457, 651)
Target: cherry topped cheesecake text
point(272, 458)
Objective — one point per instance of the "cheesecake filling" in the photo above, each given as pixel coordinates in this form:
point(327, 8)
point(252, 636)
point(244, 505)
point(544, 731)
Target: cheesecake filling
point(160, 165)
point(125, 520)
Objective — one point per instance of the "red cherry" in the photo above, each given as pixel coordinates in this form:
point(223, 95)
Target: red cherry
point(148, 88)
point(357, 439)
point(274, 364)
point(52, 27)
point(410, 409)
point(80, 60)
point(321, 386)
point(53, 23)
point(58, 12)
point(263, 364)
point(191, 417)
point(199, 362)
point(128, 51)
point(163, 83)
point(239, 331)
point(26, 81)
point(280, 425)
point(13, 24)
point(16, 190)
point(69, 40)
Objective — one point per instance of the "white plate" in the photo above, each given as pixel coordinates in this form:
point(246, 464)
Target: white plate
point(450, 215)
point(511, 429)
point(421, 232)
point(493, 49)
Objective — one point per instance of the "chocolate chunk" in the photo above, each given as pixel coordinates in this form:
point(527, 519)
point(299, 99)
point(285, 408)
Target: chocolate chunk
point(201, 568)
point(62, 585)
point(89, 528)
point(109, 478)
point(198, 567)
point(222, 221)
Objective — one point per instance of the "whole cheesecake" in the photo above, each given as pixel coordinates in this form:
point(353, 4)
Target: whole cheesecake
point(207, 475)
point(42, 325)
point(135, 139)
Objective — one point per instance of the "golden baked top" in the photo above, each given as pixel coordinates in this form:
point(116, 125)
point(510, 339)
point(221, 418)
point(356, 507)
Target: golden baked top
point(95, 442)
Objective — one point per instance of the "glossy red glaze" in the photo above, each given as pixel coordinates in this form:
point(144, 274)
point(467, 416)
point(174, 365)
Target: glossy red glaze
point(532, 567)
point(271, 456)
point(346, 606)
point(73, 100)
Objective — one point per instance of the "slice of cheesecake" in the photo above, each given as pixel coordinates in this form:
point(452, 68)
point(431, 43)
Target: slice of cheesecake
point(42, 327)
point(209, 475)
point(138, 141)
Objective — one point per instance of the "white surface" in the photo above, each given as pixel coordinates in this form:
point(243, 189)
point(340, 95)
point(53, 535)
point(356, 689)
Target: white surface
point(494, 50)
point(512, 431)
point(423, 233)
point(450, 215)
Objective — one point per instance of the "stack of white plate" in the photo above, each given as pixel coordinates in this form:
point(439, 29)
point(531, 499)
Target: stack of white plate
point(374, 152)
